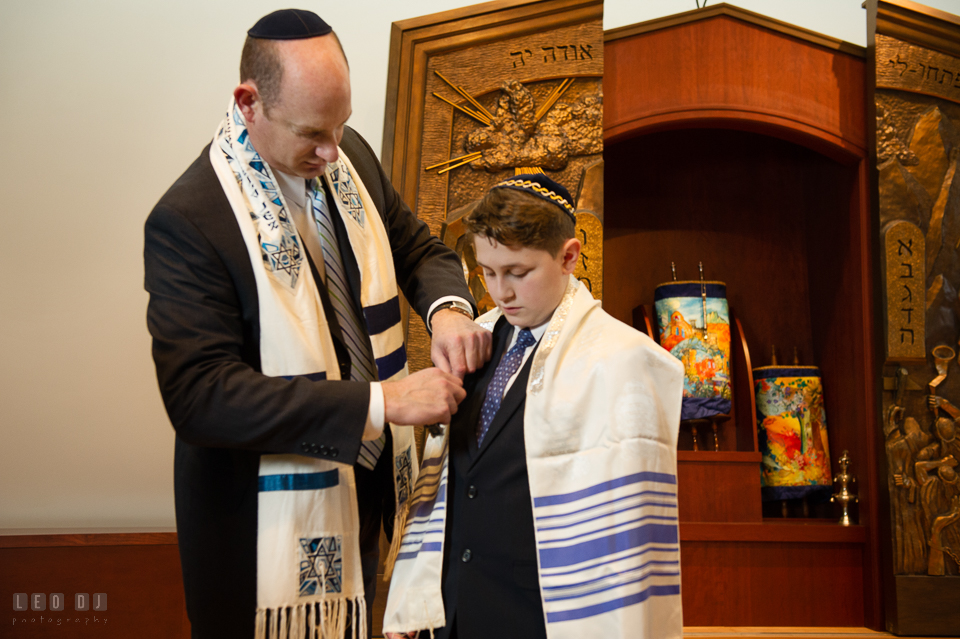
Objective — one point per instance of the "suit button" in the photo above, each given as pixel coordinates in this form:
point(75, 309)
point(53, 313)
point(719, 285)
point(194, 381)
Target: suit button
point(472, 492)
point(334, 452)
point(314, 449)
point(466, 556)
point(322, 447)
point(305, 447)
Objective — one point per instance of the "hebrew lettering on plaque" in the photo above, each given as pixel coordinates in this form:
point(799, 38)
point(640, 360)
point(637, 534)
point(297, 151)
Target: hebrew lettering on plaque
point(540, 111)
point(904, 257)
point(907, 67)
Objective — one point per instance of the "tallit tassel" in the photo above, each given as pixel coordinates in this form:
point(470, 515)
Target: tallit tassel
point(311, 622)
point(399, 524)
point(284, 614)
point(260, 631)
point(298, 627)
point(274, 624)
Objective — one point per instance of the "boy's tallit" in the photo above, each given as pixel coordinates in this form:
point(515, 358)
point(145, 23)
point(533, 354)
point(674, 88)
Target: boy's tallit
point(600, 426)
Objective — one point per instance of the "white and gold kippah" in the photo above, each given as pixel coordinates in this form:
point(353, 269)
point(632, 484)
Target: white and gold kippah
point(543, 187)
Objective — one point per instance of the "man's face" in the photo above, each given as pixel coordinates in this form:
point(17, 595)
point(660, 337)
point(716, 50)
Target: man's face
point(300, 132)
point(526, 283)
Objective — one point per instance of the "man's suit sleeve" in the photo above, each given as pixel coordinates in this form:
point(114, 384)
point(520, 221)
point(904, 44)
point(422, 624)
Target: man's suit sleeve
point(213, 395)
point(426, 269)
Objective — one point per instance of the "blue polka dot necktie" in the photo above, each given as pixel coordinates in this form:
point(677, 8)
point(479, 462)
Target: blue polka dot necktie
point(505, 370)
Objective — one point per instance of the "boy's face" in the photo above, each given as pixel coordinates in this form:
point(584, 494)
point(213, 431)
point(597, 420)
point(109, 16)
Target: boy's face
point(526, 283)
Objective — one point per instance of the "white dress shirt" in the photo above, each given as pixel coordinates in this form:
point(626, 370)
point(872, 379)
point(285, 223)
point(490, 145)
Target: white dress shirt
point(537, 334)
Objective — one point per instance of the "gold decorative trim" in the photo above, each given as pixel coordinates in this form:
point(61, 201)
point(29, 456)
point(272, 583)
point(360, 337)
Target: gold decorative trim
point(549, 340)
point(919, 24)
point(556, 198)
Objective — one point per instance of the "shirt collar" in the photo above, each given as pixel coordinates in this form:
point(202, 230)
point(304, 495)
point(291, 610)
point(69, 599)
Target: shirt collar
point(294, 189)
point(536, 332)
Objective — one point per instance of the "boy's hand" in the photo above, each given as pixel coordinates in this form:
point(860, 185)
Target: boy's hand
point(429, 396)
point(403, 635)
point(460, 345)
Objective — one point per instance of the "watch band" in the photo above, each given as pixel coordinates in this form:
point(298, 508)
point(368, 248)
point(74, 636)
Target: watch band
point(459, 307)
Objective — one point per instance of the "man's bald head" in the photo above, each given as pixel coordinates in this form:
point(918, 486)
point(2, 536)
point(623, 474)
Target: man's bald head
point(262, 63)
point(296, 123)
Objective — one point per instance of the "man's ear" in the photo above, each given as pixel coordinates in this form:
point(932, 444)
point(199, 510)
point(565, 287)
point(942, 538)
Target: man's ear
point(570, 255)
point(247, 98)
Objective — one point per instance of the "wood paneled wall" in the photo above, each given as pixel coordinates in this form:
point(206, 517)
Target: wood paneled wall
point(139, 573)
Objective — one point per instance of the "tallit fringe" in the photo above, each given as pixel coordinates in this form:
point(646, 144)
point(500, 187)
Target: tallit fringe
point(320, 620)
point(399, 524)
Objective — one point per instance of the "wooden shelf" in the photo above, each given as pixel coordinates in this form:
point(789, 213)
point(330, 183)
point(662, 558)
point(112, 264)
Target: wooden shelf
point(720, 456)
point(135, 537)
point(769, 531)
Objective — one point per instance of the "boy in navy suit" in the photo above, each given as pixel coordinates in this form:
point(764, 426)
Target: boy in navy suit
point(554, 506)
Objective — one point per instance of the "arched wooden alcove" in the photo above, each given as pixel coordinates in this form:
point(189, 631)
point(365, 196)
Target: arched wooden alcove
point(740, 141)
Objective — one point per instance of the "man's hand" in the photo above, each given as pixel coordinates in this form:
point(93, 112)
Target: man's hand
point(428, 397)
point(460, 345)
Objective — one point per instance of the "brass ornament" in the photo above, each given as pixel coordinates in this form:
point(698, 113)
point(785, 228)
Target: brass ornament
point(844, 496)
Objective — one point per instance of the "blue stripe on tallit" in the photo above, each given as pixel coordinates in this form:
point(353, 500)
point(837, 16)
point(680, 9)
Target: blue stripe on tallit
point(611, 527)
point(598, 609)
point(381, 317)
point(658, 493)
point(553, 500)
point(668, 549)
point(300, 481)
point(426, 507)
point(434, 546)
point(603, 546)
point(390, 365)
point(597, 591)
point(609, 514)
point(420, 535)
point(313, 377)
point(424, 518)
point(602, 583)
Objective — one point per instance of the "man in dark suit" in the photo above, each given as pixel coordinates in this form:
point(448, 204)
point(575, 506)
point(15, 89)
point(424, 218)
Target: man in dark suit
point(204, 318)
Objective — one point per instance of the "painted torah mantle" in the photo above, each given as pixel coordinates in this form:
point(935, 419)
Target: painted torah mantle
point(792, 431)
point(694, 326)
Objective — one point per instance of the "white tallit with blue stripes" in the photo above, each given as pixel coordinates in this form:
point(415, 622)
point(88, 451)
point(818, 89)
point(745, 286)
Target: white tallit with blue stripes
point(601, 420)
point(309, 575)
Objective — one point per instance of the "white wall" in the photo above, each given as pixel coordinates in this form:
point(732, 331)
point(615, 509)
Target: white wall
point(104, 103)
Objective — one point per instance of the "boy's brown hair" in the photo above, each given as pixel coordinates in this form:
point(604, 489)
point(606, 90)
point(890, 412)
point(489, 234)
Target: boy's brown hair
point(519, 218)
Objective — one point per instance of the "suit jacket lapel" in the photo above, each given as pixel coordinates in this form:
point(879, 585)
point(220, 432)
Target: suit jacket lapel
point(469, 413)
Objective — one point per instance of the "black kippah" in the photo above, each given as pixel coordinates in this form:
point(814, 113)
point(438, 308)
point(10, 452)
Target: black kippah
point(543, 187)
point(289, 24)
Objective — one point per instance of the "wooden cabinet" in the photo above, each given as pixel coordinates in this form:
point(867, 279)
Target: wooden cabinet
point(739, 141)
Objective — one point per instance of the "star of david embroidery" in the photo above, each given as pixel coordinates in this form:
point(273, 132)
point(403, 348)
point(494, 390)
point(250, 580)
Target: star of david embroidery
point(404, 476)
point(346, 192)
point(285, 258)
point(321, 565)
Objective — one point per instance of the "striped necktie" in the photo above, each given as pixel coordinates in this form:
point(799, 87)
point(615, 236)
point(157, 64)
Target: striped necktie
point(362, 367)
point(505, 370)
